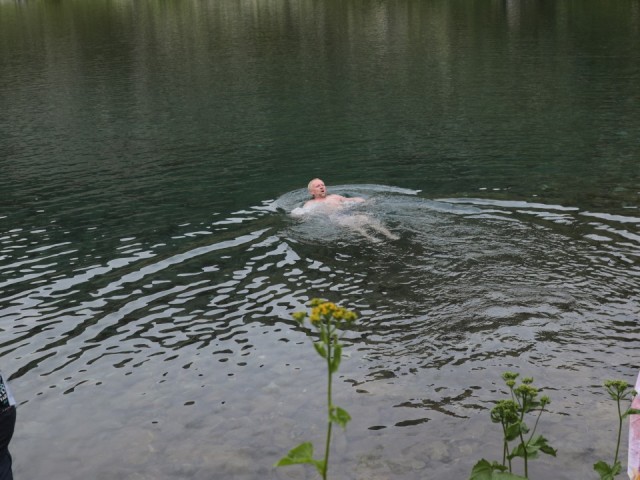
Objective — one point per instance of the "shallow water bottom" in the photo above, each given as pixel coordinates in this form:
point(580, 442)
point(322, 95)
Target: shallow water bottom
point(202, 423)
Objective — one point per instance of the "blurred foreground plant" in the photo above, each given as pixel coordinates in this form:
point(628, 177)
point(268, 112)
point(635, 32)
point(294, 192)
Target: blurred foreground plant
point(327, 318)
point(618, 390)
point(510, 415)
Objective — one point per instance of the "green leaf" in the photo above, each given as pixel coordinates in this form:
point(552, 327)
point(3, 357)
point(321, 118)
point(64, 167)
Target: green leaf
point(340, 416)
point(602, 468)
point(631, 411)
point(518, 452)
point(532, 451)
point(337, 356)
point(512, 431)
point(507, 476)
point(606, 471)
point(323, 334)
point(547, 449)
point(616, 468)
point(483, 470)
point(319, 466)
point(319, 346)
point(532, 448)
point(303, 453)
point(540, 443)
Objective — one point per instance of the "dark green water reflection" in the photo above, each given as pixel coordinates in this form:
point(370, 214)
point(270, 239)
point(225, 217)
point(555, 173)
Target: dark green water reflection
point(150, 153)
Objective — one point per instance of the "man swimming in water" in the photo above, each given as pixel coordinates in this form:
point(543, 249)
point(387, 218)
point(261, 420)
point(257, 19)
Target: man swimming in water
point(318, 191)
point(333, 203)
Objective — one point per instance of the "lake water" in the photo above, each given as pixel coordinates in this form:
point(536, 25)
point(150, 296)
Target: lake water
point(151, 153)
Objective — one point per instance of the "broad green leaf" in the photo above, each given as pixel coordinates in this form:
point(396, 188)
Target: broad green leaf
point(483, 470)
point(337, 356)
point(532, 448)
point(540, 443)
point(532, 451)
point(303, 453)
point(616, 468)
point(606, 471)
point(602, 468)
point(319, 346)
point(512, 432)
point(545, 447)
point(340, 416)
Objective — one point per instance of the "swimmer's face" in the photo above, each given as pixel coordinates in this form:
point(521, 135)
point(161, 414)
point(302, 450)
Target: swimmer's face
point(317, 188)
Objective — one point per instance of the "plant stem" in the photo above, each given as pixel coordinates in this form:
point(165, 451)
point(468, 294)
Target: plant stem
point(523, 406)
point(329, 403)
point(526, 463)
point(535, 425)
point(619, 431)
point(505, 447)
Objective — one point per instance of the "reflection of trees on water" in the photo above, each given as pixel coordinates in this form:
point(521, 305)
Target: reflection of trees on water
point(129, 90)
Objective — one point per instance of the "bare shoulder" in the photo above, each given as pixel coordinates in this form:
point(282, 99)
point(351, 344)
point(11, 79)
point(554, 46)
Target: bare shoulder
point(335, 197)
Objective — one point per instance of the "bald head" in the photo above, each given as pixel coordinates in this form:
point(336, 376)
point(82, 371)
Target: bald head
point(317, 188)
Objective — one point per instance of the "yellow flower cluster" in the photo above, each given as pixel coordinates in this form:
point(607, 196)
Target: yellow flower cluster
point(322, 309)
point(299, 316)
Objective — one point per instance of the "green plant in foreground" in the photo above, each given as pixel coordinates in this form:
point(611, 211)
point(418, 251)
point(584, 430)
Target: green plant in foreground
point(327, 318)
point(618, 390)
point(510, 415)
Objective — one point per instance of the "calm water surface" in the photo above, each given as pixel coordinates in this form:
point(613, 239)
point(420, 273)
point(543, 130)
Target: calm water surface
point(151, 153)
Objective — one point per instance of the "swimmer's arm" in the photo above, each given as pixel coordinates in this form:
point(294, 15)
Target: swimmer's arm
point(353, 199)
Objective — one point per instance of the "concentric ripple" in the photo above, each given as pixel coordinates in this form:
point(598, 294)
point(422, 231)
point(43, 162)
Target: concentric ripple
point(201, 318)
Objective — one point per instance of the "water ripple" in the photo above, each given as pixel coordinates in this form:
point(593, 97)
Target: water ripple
point(470, 286)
